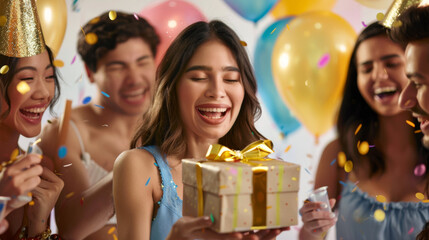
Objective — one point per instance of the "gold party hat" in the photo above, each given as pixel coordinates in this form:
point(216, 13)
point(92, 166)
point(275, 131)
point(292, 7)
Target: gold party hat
point(397, 8)
point(20, 31)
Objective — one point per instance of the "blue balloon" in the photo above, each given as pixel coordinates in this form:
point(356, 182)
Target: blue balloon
point(264, 77)
point(252, 10)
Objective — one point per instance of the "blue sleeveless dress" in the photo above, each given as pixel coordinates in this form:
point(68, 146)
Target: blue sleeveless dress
point(170, 205)
point(403, 220)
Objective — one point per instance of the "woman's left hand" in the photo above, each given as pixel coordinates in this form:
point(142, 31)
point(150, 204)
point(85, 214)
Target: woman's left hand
point(266, 234)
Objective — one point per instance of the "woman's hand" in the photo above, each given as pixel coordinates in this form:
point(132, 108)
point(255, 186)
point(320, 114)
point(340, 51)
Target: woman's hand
point(197, 228)
point(316, 222)
point(20, 178)
point(266, 234)
point(45, 196)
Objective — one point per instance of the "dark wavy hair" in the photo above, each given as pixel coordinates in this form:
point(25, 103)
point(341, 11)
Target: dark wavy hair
point(355, 110)
point(162, 125)
point(111, 33)
point(415, 25)
point(7, 78)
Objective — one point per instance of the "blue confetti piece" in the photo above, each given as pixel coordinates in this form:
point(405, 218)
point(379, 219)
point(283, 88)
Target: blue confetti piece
point(62, 152)
point(156, 164)
point(86, 100)
point(333, 161)
point(307, 171)
point(99, 106)
point(147, 181)
point(343, 183)
point(105, 94)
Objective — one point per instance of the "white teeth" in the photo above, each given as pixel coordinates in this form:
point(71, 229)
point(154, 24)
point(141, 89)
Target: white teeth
point(212, 110)
point(35, 110)
point(384, 90)
point(218, 117)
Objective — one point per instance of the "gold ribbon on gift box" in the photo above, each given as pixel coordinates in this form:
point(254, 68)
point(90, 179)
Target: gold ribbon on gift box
point(256, 151)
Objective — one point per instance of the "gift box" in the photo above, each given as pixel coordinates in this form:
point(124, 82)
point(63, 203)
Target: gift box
point(240, 196)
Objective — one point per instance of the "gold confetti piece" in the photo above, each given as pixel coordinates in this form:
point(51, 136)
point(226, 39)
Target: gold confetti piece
point(4, 69)
point(293, 178)
point(3, 20)
point(69, 195)
point(380, 198)
point(309, 155)
point(288, 148)
point(358, 128)
point(418, 131)
point(410, 123)
point(29, 194)
point(95, 20)
point(323, 234)
point(348, 166)
point(91, 38)
point(58, 63)
point(14, 154)
point(420, 196)
point(31, 203)
point(223, 186)
point(111, 230)
point(287, 25)
point(354, 189)
point(273, 30)
point(380, 16)
point(426, 201)
point(363, 148)
point(397, 23)
point(116, 238)
point(268, 207)
point(112, 15)
point(379, 215)
point(341, 159)
point(22, 87)
point(243, 43)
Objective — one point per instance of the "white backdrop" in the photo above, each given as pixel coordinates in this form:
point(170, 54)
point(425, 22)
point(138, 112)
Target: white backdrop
point(303, 151)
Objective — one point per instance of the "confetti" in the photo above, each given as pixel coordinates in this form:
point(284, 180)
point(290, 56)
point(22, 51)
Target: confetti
point(31, 203)
point(91, 38)
point(3, 20)
point(307, 171)
point(420, 170)
point(348, 167)
point(62, 152)
point(364, 24)
point(14, 154)
point(112, 15)
point(81, 201)
point(67, 165)
point(233, 171)
point(380, 198)
point(333, 161)
point(4, 69)
point(411, 230)
point(309, 155)
point(420, 196)
point(86, 100)
point(288, 148)
point(69, 195)
point(418, 131)
point(104, 125)
point(111, 230)
point(397, 23)
point(358, 128)
point(410, 123)
point(211, 217)
point(115, 237)
point(341, 159)
point(273, 30)
point(294, 179)
point(147, 181)
point(136, 16)
point(105, 94)
point(74, 59)
point(379, 215)
point(363, 148)
point(287, 25)
point(58, 63)
point(156, 164)
point(94, 20)
point(22, 87)
point(99, 106)
point(243, 43)
point(343, 183)
point(380, 16)
point(324, 60)
point(371, 146)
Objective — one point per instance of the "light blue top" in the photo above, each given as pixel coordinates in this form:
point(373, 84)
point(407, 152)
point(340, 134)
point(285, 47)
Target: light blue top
point(403, 220)
point(170, 205)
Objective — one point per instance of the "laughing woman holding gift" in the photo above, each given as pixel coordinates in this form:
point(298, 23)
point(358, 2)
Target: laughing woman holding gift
point(205, 94)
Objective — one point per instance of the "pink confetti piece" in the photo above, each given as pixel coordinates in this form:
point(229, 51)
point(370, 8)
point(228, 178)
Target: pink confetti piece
point(324, 60)
point(233, 171)
point(74, 59)
point(364, 24)
point(136, 16)
point(420, 170)
point(411, 230)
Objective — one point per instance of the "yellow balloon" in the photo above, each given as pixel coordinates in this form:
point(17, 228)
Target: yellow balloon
point(285, 8)
point(309, 65)
point(376, 4)
point(53, 18)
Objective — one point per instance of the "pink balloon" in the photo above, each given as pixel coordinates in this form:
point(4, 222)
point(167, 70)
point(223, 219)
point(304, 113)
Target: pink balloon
point(169, 18)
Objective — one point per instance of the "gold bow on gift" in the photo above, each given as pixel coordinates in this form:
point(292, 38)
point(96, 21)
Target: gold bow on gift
point(254, 151)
